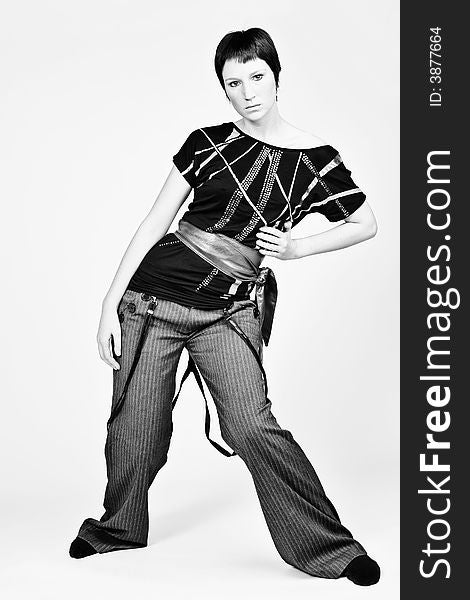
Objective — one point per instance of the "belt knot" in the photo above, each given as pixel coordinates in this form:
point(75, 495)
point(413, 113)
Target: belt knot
point(262, 276)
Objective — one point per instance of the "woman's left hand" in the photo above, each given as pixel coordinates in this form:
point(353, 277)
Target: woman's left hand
point(272, 242)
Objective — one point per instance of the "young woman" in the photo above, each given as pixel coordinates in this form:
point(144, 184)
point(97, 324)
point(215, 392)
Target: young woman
point(253, 180)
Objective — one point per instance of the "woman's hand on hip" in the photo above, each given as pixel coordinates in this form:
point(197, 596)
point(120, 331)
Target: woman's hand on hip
point(272, 242)
point(109, 327)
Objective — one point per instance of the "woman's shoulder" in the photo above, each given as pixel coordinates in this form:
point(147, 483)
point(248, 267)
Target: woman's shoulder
point(299, 138)
point(293, 136)
point(211, 128)
point(216, 133)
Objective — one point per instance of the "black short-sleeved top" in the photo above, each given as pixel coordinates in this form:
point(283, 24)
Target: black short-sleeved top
point(314, 180)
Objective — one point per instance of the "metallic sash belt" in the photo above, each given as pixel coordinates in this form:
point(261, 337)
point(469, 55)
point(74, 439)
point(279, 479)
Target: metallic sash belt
point(237, 261)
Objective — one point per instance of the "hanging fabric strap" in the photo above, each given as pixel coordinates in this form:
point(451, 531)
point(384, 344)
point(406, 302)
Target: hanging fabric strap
point(191, 368)
point(117, 408)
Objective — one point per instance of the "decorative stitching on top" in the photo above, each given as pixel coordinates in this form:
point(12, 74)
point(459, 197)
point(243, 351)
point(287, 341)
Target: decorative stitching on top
point(237, 195)
point(329, 199)
point(214, 154)
point(168, 243)
point(268, 184)
point(345, 212)
point(334, 162)
point(337, 160)
point(314, 170)
point(207, 279)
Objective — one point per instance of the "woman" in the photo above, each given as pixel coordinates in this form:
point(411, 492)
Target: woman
point(252, 180)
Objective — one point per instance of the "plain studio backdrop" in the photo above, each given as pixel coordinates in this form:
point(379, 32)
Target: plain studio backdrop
point(96, 98)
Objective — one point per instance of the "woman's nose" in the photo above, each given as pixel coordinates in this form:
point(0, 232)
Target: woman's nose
point(248, 94)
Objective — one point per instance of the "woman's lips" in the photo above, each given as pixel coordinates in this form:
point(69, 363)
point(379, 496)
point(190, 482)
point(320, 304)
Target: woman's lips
point(253, 107)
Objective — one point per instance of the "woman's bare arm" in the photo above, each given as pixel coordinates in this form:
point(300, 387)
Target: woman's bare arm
point(359, 226)
point(174, 192)
point(155, 225)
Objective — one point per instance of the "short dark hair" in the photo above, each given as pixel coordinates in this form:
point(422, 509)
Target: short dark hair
point(245, 45)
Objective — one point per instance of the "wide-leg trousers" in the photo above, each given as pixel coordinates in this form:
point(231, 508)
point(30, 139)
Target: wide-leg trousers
point(303, 523)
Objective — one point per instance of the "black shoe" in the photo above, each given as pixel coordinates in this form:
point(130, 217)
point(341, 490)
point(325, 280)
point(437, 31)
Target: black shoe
point(362, 570)
point(79, 548)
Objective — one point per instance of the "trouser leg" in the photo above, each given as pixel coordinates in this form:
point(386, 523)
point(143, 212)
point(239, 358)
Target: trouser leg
point(138, 438)
point(303, 523)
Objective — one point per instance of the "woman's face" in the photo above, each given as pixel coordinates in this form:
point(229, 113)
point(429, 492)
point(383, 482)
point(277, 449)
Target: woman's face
point(248, 84)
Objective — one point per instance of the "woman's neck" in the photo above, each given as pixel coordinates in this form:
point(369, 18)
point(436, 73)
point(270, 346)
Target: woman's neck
point(270, 126)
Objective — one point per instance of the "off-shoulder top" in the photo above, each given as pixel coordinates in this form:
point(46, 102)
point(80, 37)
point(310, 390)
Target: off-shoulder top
point(312, 180)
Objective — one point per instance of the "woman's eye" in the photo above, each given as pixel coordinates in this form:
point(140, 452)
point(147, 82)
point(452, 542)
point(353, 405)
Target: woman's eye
point(258, 75)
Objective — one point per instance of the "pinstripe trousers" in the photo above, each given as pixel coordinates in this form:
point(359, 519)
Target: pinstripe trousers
point(303, 523)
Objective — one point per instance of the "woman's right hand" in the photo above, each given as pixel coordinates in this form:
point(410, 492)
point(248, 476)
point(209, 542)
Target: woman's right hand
point(109, 327)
